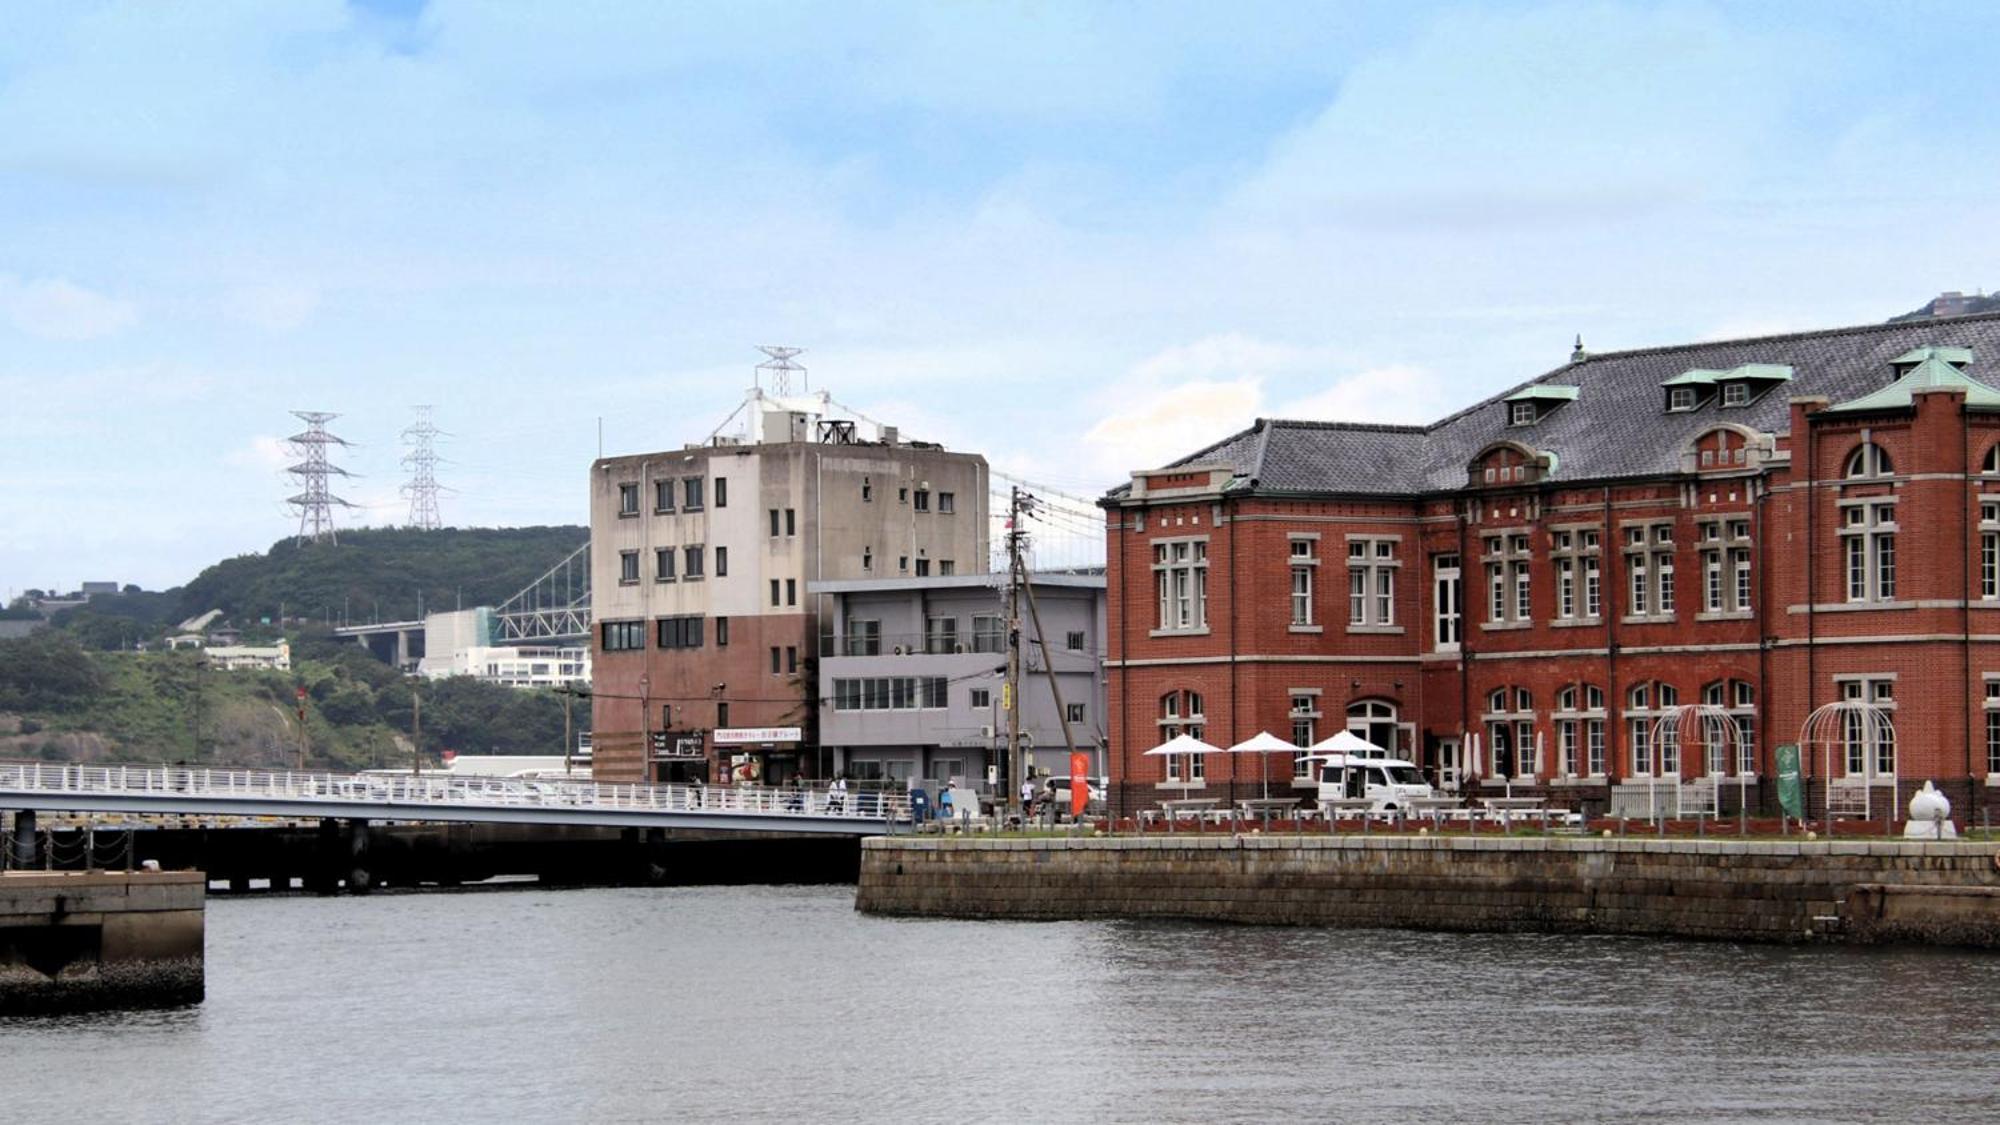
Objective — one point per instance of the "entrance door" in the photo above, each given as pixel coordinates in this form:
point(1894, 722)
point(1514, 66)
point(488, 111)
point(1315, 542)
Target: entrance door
point(1375, 720)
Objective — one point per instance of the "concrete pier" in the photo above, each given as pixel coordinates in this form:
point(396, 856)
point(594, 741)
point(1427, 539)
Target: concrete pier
point(73, 941)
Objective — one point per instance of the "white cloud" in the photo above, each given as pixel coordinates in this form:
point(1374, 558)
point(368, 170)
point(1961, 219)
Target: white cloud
point(57, 309)
point(265, 451)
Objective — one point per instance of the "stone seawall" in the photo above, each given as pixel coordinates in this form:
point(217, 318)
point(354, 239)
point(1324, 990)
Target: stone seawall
point(1774, 891)
point(81, 941)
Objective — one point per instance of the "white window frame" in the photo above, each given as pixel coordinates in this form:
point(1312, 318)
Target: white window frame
point(1372, 562)
point(1448, 603)
point(1180, 569)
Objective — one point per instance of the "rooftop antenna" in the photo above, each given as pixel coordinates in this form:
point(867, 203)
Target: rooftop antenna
point(781, 369)
point(315, 502)
point(422, 460)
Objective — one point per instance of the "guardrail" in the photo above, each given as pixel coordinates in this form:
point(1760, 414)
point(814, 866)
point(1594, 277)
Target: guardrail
point(444, 789)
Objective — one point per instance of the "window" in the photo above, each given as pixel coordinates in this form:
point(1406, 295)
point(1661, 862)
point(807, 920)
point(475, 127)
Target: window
point(1447, 605)
point(889, 693)
point(1305, 732)
point(1680, 398)
point(1181, 713)
point(1989, 549)
point(980, 698)
point(940, 635)
point(628, 499)
point(1645, 703)
point(1992, 705)
point(1868, 460)
point(774, 659)
point(663, 496)
point(791, 521)
point(1580, 731)
point(1990, 465)
point(1074, 641)
point(679, 632)
point(923, 568)
point(1868, 748)
point(1649, 570)
point(791, 591)
point(923, 500)
point(867, 491)
point(1576, 552)
point(902, 564)
point(722, 632)
point(867, 558)
point(864, 638)
point(722, 492)
point(947, 568)
point(774, 591)
point(1180, 576)
point(791, 658)
point(1371, 582)
point(721, 715)
point(1508, 600)
point(776, 516)
point(1725, 567)
point(691, 490)
point(947, 502)
point(1375, 721)
point(1735, 394)
point(663, 564)
point(903, 494)
point(721, 560)
point(1510, 733)
point(1868, 537)
point(1739, 698)
point(989, 633)
point(628, 566)
point(624, 636)
point(1303, 563)
point(1074, 712)
point(693, 567)
point(1521, 414)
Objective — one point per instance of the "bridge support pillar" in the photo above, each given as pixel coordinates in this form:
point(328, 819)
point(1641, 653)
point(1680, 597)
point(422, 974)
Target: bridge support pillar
point(323, 868)
point(360, 880)
point(24, 840)
point(656, 856)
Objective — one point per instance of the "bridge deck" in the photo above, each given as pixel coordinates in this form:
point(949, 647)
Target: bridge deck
point(173, 790)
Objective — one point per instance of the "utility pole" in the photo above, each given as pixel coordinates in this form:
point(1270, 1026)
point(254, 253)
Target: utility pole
point(416, 731)
point(1013, 771)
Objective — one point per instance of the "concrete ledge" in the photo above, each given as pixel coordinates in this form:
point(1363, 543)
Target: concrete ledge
point(83, 941)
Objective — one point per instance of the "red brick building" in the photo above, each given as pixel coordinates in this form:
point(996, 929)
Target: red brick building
point(1521, 594)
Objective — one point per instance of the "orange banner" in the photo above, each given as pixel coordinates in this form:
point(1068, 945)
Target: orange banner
point(1079, 782)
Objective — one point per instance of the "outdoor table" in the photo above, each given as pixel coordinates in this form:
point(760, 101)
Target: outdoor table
point(1333, 807)
point(1267, 808)
point(1432, 808)
point(1191, 808)
point(1508, 806)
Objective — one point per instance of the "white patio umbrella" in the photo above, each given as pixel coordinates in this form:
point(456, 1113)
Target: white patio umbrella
point(1347, 742)
point(1264, 742)
point(1183, 744)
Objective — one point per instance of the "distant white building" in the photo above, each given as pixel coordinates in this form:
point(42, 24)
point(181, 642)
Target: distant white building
point(537, 666)
point(232, 658)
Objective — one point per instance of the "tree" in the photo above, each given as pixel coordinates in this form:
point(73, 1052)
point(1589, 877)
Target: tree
point(47, 672)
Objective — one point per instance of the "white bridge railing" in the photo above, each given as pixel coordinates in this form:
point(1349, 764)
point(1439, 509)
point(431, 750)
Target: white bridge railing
point(253, 787)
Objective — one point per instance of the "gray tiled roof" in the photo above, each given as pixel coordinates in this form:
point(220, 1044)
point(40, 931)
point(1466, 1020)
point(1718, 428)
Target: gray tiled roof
point(1617, 427)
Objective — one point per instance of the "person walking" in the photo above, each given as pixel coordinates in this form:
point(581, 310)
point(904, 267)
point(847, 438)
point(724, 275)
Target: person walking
point(836, 794)
point(1027, 797)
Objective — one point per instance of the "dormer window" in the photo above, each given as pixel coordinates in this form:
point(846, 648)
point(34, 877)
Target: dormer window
point(1532, 403)
point(1521, 414)
point(1735, 394)
point(1680, 398)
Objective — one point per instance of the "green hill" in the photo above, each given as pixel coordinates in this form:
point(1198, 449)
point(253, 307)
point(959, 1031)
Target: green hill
point(378, 573)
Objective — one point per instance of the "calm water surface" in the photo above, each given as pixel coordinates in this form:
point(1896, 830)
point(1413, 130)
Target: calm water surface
point(772, 1004)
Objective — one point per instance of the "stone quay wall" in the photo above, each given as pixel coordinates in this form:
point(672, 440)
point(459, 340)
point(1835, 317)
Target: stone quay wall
point(75, 941)
point(1769, 891)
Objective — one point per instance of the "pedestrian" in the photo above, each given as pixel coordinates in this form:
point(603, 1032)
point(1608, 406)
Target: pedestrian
point(836, 794)
point(1027, 797)
point(947, 805)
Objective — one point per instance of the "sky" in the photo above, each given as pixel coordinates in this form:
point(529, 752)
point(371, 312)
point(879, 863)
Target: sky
point(1079, 239)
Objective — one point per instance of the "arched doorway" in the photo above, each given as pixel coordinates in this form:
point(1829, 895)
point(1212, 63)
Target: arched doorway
point(1375, 720)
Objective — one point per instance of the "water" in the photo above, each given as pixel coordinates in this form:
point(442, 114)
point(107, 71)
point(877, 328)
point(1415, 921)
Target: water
point(781, 1004)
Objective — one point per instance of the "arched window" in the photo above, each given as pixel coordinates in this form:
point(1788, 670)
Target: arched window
point(1991, 465)
point(1644, 703)
point(1868, 460)
point(1579, 721)
point(1181, 713)
point(1510, 733)
point(1374, 720)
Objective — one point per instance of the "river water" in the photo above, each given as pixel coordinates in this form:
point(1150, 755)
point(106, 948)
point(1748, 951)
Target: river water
point(781, 1004)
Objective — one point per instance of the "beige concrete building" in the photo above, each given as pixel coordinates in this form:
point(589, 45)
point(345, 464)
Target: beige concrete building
point(703, 627)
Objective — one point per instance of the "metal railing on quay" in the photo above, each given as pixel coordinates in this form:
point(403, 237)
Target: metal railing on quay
point(443, 789)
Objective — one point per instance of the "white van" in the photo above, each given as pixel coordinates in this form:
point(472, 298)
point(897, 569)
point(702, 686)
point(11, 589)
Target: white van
point(1389, 782)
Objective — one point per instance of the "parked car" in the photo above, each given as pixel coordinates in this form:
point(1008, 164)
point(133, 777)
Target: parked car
point(1058, 789)
point(1389, 782)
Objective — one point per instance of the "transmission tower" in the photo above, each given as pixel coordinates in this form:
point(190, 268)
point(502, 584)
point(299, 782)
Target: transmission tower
point(315, 502)
point(781, 369)
point(422, 460)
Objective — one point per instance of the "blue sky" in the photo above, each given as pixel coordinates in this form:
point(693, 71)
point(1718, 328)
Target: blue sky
point(1079, 239)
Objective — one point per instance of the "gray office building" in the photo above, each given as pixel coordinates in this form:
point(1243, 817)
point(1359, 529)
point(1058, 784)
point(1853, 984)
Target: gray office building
point(911, 675)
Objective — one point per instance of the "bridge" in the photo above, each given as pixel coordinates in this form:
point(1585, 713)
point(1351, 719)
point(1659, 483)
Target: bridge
point(172, 790)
